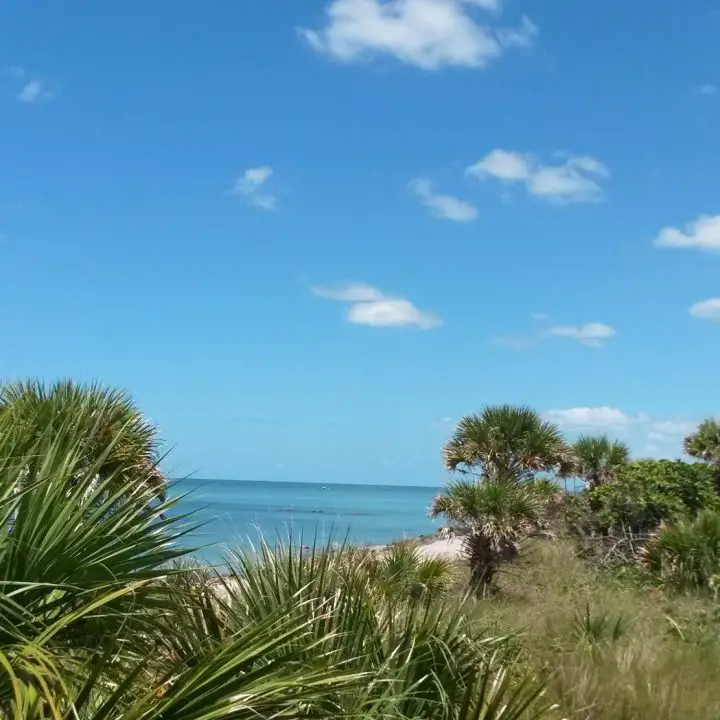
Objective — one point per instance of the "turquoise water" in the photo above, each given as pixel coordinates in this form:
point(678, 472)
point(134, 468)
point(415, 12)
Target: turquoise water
point(234, 511)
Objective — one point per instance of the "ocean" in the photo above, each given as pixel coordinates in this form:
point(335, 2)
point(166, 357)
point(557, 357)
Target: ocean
point(234, 512)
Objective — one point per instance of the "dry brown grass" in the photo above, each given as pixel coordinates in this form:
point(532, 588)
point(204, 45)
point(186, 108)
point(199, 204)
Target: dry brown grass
point(609, 650)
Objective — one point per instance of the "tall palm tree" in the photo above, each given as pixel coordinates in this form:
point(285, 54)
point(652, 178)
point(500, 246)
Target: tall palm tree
point(112, 434)
point(507, 439)
point(704, 443)
point(494, 515)
point(598, 458)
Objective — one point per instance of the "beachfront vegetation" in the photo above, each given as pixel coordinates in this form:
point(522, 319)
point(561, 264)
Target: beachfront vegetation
point(494, 515)
point(598, 458)
point(507, 440)
point(103, 616)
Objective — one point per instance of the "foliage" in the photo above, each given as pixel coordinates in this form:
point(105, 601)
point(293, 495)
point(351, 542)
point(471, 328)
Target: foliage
point(99, 619)
point(402, 571)
point(508, 440)
point(645, 493)
point(704, 443)
point(598, 459)
point(660, 664)
point(686, 554)
point(495, 514)
point(596, 627)
point(111, 433)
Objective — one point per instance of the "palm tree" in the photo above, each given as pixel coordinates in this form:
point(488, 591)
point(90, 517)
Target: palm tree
point(704, 443)
point(598, 458)
point(110, 432)
point(507, 439)
point(495, 514)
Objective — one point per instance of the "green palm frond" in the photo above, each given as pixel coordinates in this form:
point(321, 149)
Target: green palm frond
point(106, 421)
point(506, 439)
point(704, 443)
point(598, 458)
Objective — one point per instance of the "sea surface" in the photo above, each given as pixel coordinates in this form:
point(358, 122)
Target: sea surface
point(235, 512)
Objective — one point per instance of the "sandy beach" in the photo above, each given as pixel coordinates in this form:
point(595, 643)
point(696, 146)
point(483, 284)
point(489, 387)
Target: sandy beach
point(449, 549)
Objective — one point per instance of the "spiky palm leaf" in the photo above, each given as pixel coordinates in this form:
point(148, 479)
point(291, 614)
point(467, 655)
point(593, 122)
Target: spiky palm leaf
point(507, 439)
point(598, 458)
point(108, 423)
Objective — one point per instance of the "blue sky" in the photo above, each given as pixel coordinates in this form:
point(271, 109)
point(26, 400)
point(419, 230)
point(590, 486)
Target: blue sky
point(308, 236)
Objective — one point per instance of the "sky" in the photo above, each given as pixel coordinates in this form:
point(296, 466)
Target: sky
point(309, 236)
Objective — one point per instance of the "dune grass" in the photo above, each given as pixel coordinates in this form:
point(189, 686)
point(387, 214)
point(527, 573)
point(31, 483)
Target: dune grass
point(608, 649)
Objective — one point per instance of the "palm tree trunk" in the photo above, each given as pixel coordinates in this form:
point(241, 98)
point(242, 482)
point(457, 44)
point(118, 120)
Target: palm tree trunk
point(484, 560)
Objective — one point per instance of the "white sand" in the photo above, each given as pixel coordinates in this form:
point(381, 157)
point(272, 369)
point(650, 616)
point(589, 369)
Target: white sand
point(450, 549)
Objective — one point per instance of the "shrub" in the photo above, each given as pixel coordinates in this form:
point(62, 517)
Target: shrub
point(686, 554)
point(645, 494)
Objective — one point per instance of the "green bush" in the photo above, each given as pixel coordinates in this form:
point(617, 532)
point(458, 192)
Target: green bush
point(686, 555)
point(645, 494)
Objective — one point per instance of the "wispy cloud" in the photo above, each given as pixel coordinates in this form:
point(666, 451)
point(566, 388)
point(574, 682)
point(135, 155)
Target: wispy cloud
point(32, 89)
point(707, 90)
point(370, 306)
point(702, 234)
point(593, 335)
point(251, 186)
point(428, 34)
point(32, 92)
point(653, 436)
point(577, 179)
point(593, 418)
point(707, 310)
point(443, 206)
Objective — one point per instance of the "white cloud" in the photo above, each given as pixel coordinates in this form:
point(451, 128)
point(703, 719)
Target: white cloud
point(702, 233)
point(425, 33)
point(577, 179)
point(592, 418)
point(708, 90)
point(33, 91)
point(591, 334)
point(664, 431)
point(251, 186)
point(370, 306)
point(443, 206)
point(707, 310)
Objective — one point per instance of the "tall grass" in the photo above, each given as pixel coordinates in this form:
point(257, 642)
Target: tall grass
point(608, 650)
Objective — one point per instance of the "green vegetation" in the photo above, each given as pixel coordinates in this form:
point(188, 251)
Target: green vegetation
point(598, 459)
point(103, 617)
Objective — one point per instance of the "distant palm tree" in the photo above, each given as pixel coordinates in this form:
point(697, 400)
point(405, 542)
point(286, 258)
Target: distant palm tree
point(112, 434)
point(704, 443)
point(508, 440)
point(598, 459)
point(494, 515)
